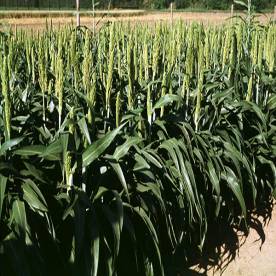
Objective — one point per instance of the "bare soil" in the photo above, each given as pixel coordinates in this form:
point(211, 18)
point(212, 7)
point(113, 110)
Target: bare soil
point(252, 255)
point(39, 23)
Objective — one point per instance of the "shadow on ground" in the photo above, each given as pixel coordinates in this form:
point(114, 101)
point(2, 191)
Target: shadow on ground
point(224, 241)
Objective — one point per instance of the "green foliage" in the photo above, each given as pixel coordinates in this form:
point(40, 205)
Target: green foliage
point(155, 4)
point(93, 185)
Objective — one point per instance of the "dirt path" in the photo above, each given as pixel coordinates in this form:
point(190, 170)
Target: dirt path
point(255, 257)
point(37, 23)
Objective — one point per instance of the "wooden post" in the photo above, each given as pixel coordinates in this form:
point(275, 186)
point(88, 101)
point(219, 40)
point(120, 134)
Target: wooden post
point(172, 13)
point(232, 13)
point(274, 13)
point(78, 12)
point(94, 26)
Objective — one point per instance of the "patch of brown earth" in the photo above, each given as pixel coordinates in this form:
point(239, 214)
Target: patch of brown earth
point(149, 18)
point(255, 255)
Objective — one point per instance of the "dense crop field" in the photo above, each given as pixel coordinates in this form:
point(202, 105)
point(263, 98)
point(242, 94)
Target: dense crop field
point(119, 148)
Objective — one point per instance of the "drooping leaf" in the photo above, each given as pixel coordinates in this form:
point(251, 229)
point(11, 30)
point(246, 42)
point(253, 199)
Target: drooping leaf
point(234, 184)
point(31, 150)
point(53, 151)
point(19, 216)
point(152, 159)
point(241, 3)
point(115, 218)
point(33, 196)
point(10, 144)
point(117, 168)
point(98, 147)
point(3, 183)
point(153, 235)
point(122, 150)
point(32, 170)
point(213, 177)
point(167, 99)
point(84, 129)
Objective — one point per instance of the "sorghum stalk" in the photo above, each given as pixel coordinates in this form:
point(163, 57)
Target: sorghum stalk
point(6, 96)
point(226, 48)
point(233, 58)
point(59, 83)
point(131, 72)
point(87, 63)
point(110, 69)
point(118, 109)
point(199, 86)
point(250, 88)
point(92, 96)
point(68, 171)
point(33, 63)
point(163, 90)
point(42, 75)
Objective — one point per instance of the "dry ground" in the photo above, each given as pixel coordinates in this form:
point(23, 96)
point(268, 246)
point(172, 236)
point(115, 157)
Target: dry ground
point(37, 23)
point(256, 255)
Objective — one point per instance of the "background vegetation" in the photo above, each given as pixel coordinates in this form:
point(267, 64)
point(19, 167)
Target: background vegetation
point(156, 4)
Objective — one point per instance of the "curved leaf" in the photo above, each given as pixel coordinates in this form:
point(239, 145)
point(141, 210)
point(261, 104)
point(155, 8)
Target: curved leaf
point(3, 183)
point(98, 147)
point(33, 196)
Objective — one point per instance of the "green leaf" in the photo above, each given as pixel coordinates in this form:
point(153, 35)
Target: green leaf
point(141, 163)
point(32, 170)
point(213, 177)
point(79, 224)
point(271, 103)
point(53, 151)
point(30, 150)
point(3, 183)
point(19, 215)
point(70, 209)
point(98, 147)
point(152, 159)
point(188, 183)
point(95, 253)
point(241, 3)
point(168, 145)
point(9, 144)
point(272, 166)
point(84, 129)
point(33, 196)
point(122, 150)
point(115, 217)
point(95, 242)
point(234, 184)
point(167, 99)
point(101, 191)
point(236, 155)
point(252, 107)
point(153, 235)
point(117, 168)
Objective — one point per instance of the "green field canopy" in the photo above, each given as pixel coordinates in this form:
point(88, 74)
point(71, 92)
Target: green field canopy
point(132, 4)
point(66, 4)
point(42, 4)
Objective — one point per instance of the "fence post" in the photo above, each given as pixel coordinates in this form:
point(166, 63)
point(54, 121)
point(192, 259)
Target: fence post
point(274, 13)
point(94, 26)
point(172, 14)
point(232, 12)
point(78, 12)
